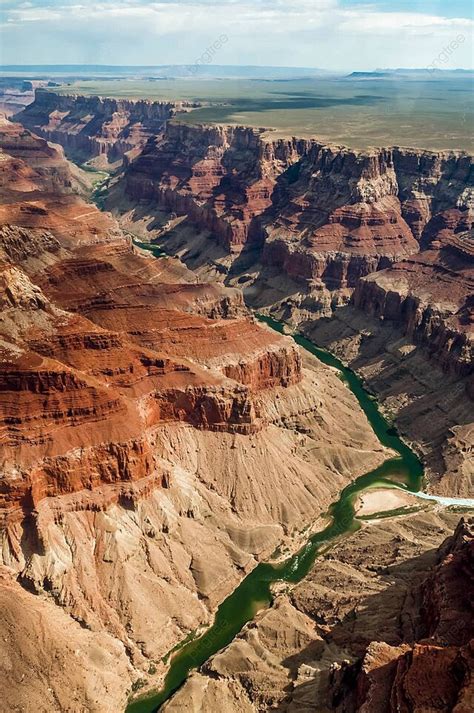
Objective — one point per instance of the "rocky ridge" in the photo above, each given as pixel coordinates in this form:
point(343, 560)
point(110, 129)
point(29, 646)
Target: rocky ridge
point(95, 128)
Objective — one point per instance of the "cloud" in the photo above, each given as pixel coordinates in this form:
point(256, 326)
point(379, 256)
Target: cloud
point(325, 33)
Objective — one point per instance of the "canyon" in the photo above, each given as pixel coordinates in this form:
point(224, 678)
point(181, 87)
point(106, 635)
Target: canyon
point(158, 442)
point(149, 430)
point(380, 624)
point(370, 254)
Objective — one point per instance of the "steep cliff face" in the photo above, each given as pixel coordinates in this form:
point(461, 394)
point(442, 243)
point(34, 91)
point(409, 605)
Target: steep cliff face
point(332, 224)
point(222, 178)
point(350, 214)
point(430, 296)
point(435, 189)
point(91, 336)
point(97, 128)
point(394, 678)
point(321, 214)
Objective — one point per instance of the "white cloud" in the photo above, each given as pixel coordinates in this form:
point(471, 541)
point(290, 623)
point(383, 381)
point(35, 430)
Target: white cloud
point(313, 32)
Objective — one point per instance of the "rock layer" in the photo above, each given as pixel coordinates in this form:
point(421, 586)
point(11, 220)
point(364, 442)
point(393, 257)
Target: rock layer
point(320, 212)
point(431, 297)
point(97, 128)
point(221, 178)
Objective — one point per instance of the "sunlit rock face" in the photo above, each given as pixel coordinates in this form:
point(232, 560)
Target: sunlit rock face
point(95, 128)
point(222, 178)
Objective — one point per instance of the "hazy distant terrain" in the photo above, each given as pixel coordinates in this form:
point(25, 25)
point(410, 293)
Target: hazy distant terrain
point(433, 114)
point(387, 107)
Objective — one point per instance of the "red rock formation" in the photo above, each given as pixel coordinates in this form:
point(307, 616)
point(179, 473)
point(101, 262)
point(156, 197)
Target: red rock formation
point(220, 177)
point(91, 127)
point(435, 672)
point(98, 347)
point(322, 214)
point(327, 218)
point(350, 214)
point(431, 296)
point(30, 163)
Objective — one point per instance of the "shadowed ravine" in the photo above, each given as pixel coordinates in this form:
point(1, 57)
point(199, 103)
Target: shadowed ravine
point(254, 592)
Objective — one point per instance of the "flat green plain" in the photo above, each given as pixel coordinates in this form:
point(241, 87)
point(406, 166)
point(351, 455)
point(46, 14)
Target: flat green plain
point(434, 113)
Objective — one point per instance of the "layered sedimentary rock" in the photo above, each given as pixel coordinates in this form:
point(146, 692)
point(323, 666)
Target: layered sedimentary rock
point(318, 218)
point(388, 229)
point(431, 297)
point(327, 218)
point(220, 177)
point(156, 443)
point(159, 443)
point(97, 128)
point(382, 623)
point(350, 214)
point(320, 213)
point(87, 332)
point(29, 163)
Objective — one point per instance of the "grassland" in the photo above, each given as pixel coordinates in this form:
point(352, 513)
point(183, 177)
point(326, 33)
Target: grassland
point(435, 113)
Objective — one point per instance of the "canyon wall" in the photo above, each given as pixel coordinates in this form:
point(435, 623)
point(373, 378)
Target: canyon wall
point(431, 297)
point(98, 128)
point(314, 208)
point(301, 225)
point(351, 213)
point(383, 623)
point(305, 228)
point(220, 177)
point(158, 442)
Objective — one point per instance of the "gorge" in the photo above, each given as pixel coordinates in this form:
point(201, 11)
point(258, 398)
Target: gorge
point(161, 444)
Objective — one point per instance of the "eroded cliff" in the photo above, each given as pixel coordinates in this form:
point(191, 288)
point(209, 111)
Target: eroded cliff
point(221, 177)
point(95, 128)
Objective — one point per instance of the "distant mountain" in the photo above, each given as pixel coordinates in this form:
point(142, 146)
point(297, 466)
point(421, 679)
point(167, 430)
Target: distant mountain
point(200, 70)
point(364, 75)
point(410, 73)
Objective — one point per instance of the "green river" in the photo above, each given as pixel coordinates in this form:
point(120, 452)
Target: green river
point(254, 592)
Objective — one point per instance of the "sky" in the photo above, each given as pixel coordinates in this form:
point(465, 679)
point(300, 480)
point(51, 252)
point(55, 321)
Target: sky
point(331, 34)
